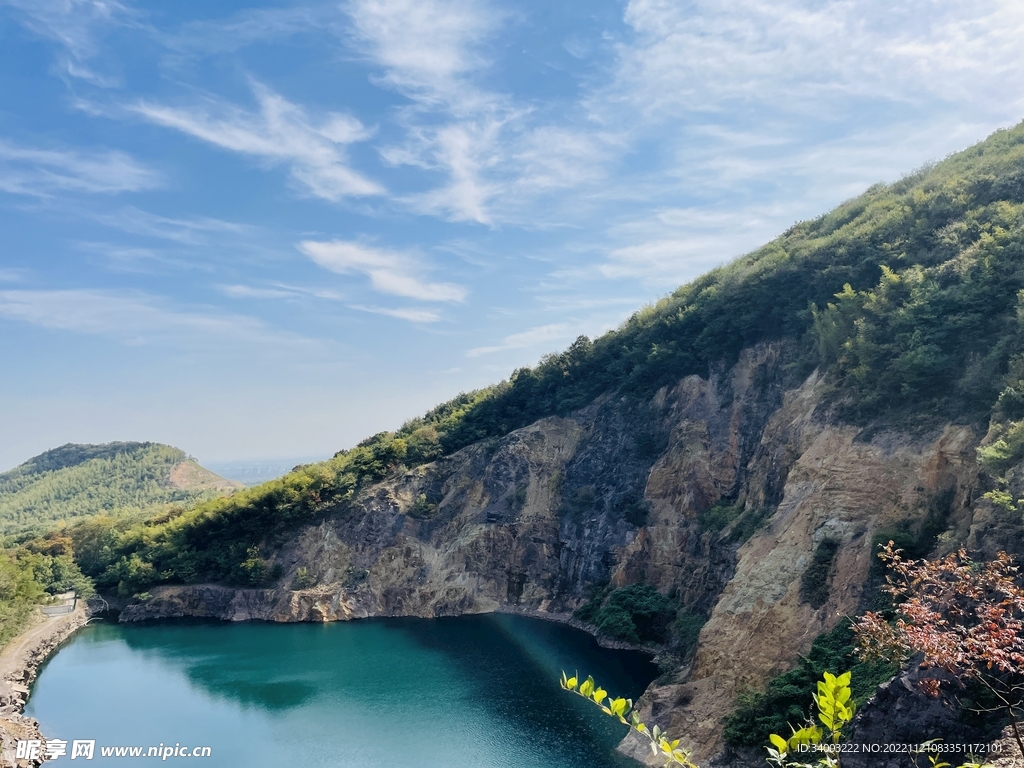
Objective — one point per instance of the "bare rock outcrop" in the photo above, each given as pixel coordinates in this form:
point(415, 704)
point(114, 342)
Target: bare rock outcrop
point(617, 493)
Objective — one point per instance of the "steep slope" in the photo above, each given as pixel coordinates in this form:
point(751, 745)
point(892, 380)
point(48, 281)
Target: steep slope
point(75, 481)
point(740, 447)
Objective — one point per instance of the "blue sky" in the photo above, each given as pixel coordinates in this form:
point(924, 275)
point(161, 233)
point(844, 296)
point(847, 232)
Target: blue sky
point(260, 230)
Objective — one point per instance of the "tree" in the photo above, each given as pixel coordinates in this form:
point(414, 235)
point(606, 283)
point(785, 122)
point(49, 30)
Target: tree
point(966, 618)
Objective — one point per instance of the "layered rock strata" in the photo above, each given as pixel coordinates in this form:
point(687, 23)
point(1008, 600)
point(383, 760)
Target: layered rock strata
point(621, 492)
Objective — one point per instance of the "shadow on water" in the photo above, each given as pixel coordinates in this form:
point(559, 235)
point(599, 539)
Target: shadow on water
point(229, 661)
point(506, 660)
point(512, 665)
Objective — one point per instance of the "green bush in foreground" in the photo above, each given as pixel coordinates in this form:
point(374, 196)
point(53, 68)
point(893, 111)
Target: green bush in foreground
point(817, 737)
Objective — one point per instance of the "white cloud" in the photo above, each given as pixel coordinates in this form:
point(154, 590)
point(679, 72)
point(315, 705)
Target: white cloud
point(497, 157)
point(72, 23)
point(556, 332)
point(251, 292)
point(41, 172)
point(758, 114)
point(427, 47)
point(412, 315)
point(11, 275)
point(278, 291)
point(130, 259)
point(792, 54)
point(666, 260)
point(464, 151)
point(280, 133)
point(432, 52)
point(248, 26)
point(398, 274)
point(556, 157)
point(136, 318)
point(77, 26)
point(184, 230)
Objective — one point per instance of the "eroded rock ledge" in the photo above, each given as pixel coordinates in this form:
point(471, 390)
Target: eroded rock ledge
point(326, 603)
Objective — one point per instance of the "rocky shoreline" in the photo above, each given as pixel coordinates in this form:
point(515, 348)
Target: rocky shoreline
point(20, 661)
point(329, 602)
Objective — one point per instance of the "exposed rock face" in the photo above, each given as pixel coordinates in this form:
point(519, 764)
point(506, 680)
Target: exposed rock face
point(614, 493)
point(216, 602)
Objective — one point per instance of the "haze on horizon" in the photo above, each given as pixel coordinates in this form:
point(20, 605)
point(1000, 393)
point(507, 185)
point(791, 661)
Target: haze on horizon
point(260, 230)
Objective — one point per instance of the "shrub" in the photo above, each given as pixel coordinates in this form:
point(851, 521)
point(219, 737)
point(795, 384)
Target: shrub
point(686, 629)
point(814, 584)
point(717, 517)
point(303, 579)
point(785, 698)
point(637, 614)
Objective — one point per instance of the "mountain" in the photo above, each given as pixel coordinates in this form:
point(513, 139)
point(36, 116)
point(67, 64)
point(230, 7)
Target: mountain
point(713, 477)
point(75, 481)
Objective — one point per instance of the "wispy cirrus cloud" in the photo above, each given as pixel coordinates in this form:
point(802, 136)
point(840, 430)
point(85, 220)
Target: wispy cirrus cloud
point(278, 291)
point(497, 157)
point(192, 230)
point(280, 132)
point(432, 52)
point(429, 49)
point(794, 53)
point(78, 27)
point(410, 314)
point(796, 101)
point(248, 26)
point(673, 245)
point(391, 272)
point(42, 172)
point(135, 317)
point(130, 259)
point(541, 334)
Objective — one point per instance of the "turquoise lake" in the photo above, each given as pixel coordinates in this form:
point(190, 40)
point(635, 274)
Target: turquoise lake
point(466, 692)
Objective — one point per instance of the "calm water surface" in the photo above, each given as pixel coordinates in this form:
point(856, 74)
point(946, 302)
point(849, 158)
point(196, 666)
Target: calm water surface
point(467, 692)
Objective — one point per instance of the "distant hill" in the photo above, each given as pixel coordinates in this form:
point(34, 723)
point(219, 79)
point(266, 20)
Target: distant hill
point(74, 481)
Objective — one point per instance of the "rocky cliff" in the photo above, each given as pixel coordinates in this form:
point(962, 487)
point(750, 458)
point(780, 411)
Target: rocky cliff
point(618, 492)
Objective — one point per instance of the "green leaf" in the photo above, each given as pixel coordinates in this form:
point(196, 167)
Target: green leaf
point(780, 743)
point(587, 687)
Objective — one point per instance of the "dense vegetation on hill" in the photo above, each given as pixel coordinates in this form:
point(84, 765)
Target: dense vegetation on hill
point(33, 574)
point(908, 298)
point(76, 481)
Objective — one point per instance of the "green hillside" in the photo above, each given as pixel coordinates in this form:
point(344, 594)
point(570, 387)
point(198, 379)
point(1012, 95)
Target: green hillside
point(908, 298)
point(75, 481)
